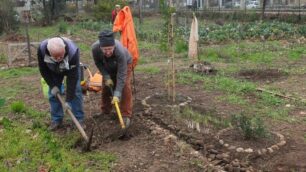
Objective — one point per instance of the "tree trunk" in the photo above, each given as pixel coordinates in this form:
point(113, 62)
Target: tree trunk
point(264, 3)
point(140, 11)
point(76, 6)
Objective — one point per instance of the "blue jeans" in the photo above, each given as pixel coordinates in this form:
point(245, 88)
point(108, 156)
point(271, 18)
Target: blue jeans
point(76, 105)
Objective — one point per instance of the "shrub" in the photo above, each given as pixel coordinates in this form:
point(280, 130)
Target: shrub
point(18, 107)
point(62, 27)
point(251, 127)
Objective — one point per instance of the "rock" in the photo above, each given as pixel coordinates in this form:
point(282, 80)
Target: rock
point(243, 169)
point(288, 105)
point(219, 156)
point(249, 150)
point(212, 156)
point(226, 145)
point(270, 150)
point(216, 162)
point(281, 137)
point(264, 151)
point(259, 152)
point(231, 147)
point(275, 147)
point(302, 113)
point(213, 151)
point(221, 142)
point(210, 147)
point(240, 149)
point(235, 163)
point(228, 168)
point(236, 169)
point(282, 143)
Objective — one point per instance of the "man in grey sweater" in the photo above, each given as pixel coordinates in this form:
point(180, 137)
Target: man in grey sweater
point(115, 64)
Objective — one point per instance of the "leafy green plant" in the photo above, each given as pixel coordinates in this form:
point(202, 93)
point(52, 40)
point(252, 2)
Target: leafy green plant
point(6, 123)
point(207, 118)
point(18, 107)
point(62, 27)
point(2, 101)
point(251, 127)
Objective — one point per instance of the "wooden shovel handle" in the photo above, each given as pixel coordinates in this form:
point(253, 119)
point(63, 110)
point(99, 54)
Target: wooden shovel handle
point(75, 121)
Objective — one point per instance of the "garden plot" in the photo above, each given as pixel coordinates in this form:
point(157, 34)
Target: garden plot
point(200, 135)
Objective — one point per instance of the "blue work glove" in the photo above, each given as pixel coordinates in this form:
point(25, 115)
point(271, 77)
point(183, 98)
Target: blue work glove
point(55, 91)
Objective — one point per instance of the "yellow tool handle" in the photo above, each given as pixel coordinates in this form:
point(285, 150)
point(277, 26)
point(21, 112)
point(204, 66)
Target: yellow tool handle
point(119, 115)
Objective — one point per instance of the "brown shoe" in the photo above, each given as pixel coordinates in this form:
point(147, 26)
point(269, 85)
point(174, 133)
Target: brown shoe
point(54, 125)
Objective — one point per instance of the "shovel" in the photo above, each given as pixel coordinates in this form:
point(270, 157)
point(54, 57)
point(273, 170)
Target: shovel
point(118, 111)
point(122, 133)
point(78, 125)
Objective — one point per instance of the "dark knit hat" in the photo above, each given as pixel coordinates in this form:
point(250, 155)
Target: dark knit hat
point(106, 38)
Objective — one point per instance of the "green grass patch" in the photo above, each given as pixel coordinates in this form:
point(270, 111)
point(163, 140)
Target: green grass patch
point(229, 85)
point(26, 150)
point(243, 52)
point(17, 72)
point(84, 47)
point(296, 53)
point(189, 77)
point(148, 70)
point(269, 99)
point(233, 99)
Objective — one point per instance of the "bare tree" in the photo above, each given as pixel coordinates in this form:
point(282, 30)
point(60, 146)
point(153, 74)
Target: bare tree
point(264, 3)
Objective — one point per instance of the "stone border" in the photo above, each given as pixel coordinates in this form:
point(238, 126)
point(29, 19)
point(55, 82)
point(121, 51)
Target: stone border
point(260, 152)
point(149, 107)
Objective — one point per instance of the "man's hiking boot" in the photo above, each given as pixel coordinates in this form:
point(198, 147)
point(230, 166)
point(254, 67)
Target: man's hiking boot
point(54, 125)
point(127, 121)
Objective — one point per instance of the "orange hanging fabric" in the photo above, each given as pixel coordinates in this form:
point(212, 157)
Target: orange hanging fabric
point(124, 23)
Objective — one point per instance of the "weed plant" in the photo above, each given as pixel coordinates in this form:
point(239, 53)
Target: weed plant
point(18, 107)
point(251, 127)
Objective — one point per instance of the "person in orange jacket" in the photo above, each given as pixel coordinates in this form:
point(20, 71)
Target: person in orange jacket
point(115, 12)
point(125, 25)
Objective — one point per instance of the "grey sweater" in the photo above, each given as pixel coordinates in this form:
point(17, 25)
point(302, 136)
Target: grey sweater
point(114, 67)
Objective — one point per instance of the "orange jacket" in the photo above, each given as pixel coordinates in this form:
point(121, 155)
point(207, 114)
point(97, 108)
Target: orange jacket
point(124, 23)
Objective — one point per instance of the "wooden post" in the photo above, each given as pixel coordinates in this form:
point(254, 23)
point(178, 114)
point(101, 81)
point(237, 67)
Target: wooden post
point(172, 57)
point(28, 37)
point(168, 63)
